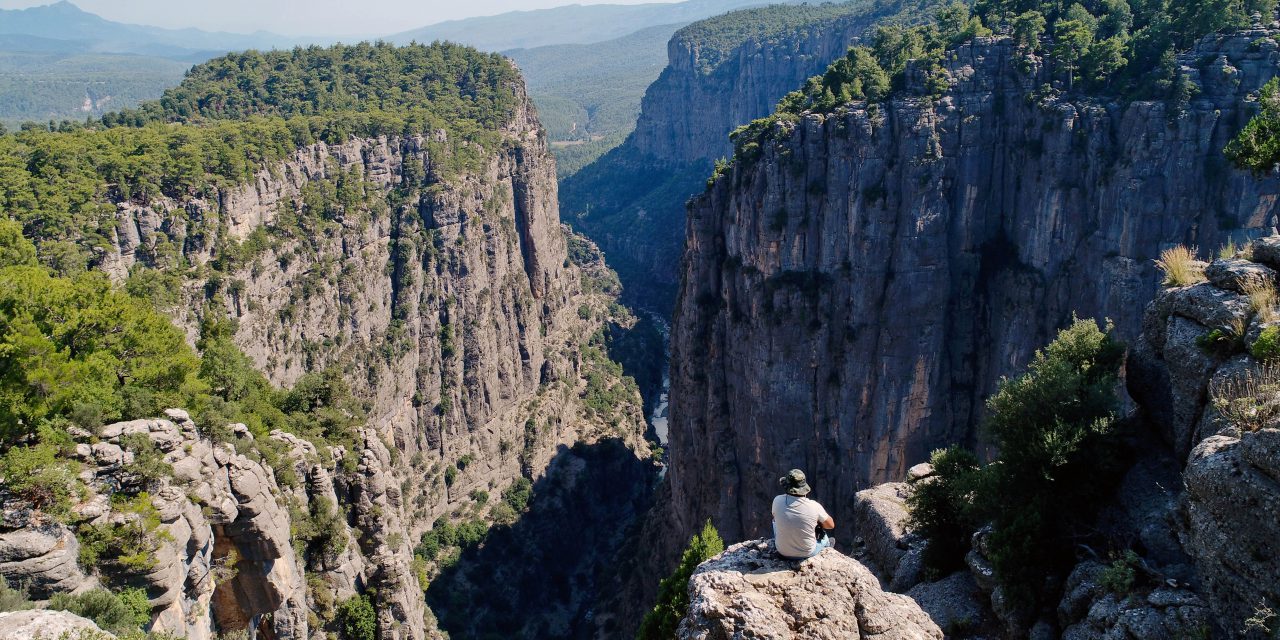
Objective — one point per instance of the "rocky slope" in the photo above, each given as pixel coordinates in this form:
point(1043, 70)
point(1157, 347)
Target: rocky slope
point(443, 292)
point(721, 73)
point(750, 591)
point(1217, 409)
point(850, 297)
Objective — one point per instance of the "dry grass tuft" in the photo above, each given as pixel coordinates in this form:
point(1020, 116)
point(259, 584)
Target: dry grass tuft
point(1228, 250)
point(1262, 299)
point(1180, 267)
point(1249, 401)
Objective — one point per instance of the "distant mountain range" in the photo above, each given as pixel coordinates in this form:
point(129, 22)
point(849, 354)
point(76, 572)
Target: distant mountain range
point(572, 24)
point(65, 28)
point(587, 66)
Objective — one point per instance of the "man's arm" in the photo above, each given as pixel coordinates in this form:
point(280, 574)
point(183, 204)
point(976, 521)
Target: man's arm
point(828, 524)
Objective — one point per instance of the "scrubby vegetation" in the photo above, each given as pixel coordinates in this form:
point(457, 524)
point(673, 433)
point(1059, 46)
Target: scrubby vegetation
point(942, 508)
point(123, 613)
point(1055, 429)
point(673, 592)
point(357, 619)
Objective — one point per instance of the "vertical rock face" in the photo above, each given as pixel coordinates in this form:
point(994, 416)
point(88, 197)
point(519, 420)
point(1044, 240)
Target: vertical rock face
point(631, 201)
point(441, 288)
point(850, 297)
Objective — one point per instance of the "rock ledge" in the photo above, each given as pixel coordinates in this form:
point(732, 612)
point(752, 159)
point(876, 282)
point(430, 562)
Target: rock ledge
point(751, 591)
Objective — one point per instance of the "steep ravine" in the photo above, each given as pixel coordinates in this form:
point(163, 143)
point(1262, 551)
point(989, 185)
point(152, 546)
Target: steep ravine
point(849, 298)
point(721, 73)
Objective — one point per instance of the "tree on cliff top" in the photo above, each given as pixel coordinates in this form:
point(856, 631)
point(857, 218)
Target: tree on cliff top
point(673, 592)
point(1257, 148)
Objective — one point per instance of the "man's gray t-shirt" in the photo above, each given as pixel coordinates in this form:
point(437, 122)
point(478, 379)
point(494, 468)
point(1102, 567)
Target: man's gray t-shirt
point(795, 519)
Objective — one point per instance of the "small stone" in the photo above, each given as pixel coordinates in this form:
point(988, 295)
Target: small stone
point(920, 471)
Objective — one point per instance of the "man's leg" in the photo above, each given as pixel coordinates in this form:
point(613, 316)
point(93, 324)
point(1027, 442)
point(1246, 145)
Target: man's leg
point(822, 544)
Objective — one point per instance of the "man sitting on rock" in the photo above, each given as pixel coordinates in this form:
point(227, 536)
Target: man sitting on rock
point(796, 519)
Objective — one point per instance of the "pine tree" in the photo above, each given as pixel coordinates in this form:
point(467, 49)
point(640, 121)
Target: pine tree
point(673, 592)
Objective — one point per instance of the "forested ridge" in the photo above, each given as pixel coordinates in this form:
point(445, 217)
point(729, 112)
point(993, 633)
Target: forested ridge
point(233, 116)
point(77, 351)
point(1118, 48)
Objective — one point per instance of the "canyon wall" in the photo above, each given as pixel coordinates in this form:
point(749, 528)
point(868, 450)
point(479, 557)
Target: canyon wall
point(722, 73)
point(441, 289)
point(851, 297)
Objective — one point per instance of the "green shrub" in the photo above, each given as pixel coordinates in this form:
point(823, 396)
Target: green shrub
point(518, 494)
point(1267, 346)
point(429, 545)
point(42, 476)
point(673, 592)
point(1219, 342)
point(472, 533)
point(148, 466)
point(356, 619)
point(123, 613)
point(1053, 427)
point(1121, 575)
point(503, 514)
point(13, 599)
point(942, 510)
point(480, 496)
point(131, 545)
point(321, 530)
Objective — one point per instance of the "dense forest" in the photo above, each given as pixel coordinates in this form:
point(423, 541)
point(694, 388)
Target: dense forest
point(37, 86)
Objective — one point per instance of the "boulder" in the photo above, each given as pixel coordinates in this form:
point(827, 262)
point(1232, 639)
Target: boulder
point(42, 557)
point(955, 602)
point(751, 591)
point(1239, 275)
point(1267, 251)
point(43, 624)
point(880, 520)
point(1233, 521)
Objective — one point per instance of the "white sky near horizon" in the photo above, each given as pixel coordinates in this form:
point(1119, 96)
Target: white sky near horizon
point(367, 18)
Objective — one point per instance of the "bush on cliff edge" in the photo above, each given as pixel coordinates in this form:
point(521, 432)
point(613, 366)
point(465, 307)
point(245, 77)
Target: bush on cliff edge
point(673, 592)
point(1054, 428)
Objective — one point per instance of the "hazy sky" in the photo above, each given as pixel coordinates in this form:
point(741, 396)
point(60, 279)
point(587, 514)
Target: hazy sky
point(302, 17)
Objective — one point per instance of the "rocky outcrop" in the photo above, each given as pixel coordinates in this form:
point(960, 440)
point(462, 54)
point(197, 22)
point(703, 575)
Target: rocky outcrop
point(42, 624)
point(721, 73)
point(751, 591)
point(850, 297)
point(1233, 520)
point(1090, 610)
point(880, 520)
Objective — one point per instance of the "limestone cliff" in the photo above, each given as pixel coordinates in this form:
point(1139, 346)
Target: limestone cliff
point(721, 73)
point(434, 275)
point(850, 297)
